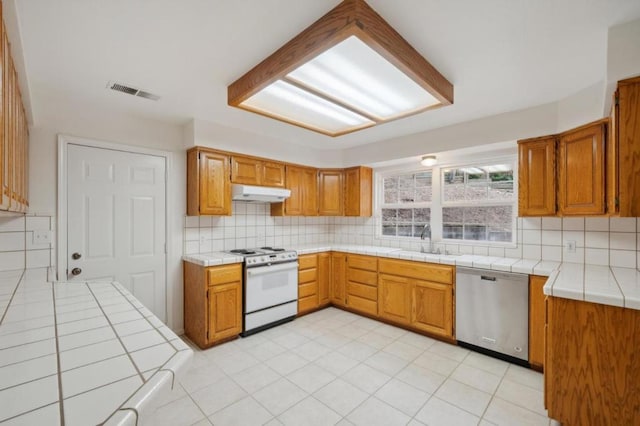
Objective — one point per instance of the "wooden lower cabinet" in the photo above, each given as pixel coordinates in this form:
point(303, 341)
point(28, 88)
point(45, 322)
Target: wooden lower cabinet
point(432, 308)
point(324, 278)
point(338, 290)
point(307, 283)
point(362, 284)
point(536, 321)
point(212, 303)
point(592, 373)
point(394, 298)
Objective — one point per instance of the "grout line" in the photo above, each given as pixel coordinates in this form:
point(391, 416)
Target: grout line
point(15, 290)
point(55, 325)
point(117, 336)
point(27, 412)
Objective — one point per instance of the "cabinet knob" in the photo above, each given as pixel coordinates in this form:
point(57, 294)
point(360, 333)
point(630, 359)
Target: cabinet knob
point(76, 256)
point(76, 271)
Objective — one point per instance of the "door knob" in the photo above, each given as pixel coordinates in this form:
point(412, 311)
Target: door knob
point(76, 256)
point(76, 271)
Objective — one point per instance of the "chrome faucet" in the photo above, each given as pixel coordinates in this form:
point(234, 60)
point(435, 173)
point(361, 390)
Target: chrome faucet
point(426, 229)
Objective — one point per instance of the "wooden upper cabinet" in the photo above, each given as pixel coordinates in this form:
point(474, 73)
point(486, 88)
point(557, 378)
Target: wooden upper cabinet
point(581, 171)
point(624, 179)
point(246, 170)
point(208, 184)
point(254, 171)
point(537, 177)
point(358, 191)
point(273, 174)
point(302, 182)
point(14, 140)
point(331, 192)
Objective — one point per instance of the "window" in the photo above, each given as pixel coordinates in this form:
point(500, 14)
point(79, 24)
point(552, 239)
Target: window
point(469, 203)
point(478, 203)
point(406, 205)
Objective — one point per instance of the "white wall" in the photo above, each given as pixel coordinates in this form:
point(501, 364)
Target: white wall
point(623, 56)
point(113, 127)
point(581, 108)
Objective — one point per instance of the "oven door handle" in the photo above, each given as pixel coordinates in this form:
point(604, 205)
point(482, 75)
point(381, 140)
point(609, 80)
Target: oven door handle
point(262, 270)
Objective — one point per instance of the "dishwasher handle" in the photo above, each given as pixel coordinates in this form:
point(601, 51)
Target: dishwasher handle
point(488, 278)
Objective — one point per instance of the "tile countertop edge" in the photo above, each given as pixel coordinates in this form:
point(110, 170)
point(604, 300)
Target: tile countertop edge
point(628, 279)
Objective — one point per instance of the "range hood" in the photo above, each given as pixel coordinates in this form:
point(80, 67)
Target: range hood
point(259, 194)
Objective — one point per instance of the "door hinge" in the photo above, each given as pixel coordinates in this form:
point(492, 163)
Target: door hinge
point(616, 100)
point(165, 248)
point(616, 201)
point(199, 153)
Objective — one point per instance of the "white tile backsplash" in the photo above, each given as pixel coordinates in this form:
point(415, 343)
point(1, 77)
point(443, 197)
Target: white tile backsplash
point(538, 238)
point(16, 242)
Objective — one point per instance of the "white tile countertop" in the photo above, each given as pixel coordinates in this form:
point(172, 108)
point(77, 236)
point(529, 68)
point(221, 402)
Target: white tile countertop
point(81, 353)
point(600, 284)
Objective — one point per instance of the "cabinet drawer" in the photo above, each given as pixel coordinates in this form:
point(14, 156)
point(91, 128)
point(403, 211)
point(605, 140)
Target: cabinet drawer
point(365, 277)
point(308, 261)
point(307, 275)
point(422, 271)
point(224, 274)
point(368, 263)
point(309, 289)
point(307, 303)
point(361, 290)
point(363, 305)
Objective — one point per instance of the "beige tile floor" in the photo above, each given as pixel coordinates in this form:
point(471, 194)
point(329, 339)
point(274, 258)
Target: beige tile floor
point(333, 367)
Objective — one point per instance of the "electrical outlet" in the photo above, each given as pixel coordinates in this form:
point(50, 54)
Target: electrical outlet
point(42, 237)
point(571, 246)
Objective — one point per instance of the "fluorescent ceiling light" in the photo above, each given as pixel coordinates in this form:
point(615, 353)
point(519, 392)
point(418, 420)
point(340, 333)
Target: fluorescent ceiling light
point(348, 71)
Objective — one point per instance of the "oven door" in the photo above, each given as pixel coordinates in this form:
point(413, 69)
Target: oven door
point(267, 286)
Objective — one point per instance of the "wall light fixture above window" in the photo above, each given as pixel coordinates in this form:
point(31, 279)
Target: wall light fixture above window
point(348, 71)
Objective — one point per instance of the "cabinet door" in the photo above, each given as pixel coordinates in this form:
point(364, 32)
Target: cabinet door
point(394, 298)
point(331, 193)
point(324, 278)
point(309, 192)
point(339, 274)
point(581, 171)
point(432, 308)
point(273, 174)
point(358, 189)
point(536, 320)
point(214, 185)
point(5, 153)
point(225, 311)
point(627, 141)
point(245, 170)
point(293, 204)
point(537, 177)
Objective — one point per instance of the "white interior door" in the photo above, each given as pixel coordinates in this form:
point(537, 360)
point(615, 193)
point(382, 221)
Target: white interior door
point(116, 221)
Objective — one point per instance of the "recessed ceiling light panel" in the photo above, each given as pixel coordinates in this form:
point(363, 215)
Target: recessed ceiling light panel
point(348, 71)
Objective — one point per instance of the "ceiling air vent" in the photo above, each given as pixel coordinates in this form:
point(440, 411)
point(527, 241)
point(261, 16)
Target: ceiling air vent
point(132, 91)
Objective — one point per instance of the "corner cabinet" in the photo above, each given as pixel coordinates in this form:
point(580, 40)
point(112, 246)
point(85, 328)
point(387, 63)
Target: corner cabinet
point(208, 183)
point(14, 143)
point(564, 175)
point(330, 192)
point(212, 303)
point(303, 184)
point(624, 150)
point(581, 171)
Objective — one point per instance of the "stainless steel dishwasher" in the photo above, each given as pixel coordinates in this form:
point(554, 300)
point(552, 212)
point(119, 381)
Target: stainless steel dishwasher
point(492, 313)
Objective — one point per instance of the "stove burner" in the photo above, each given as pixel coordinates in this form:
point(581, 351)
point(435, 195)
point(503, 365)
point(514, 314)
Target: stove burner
point(272, 248)
point(242, 251)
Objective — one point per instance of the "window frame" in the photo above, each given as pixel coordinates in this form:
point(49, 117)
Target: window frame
point(437, 199)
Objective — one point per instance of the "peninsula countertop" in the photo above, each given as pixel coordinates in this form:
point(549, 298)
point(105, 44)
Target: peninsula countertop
point(81, 353)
